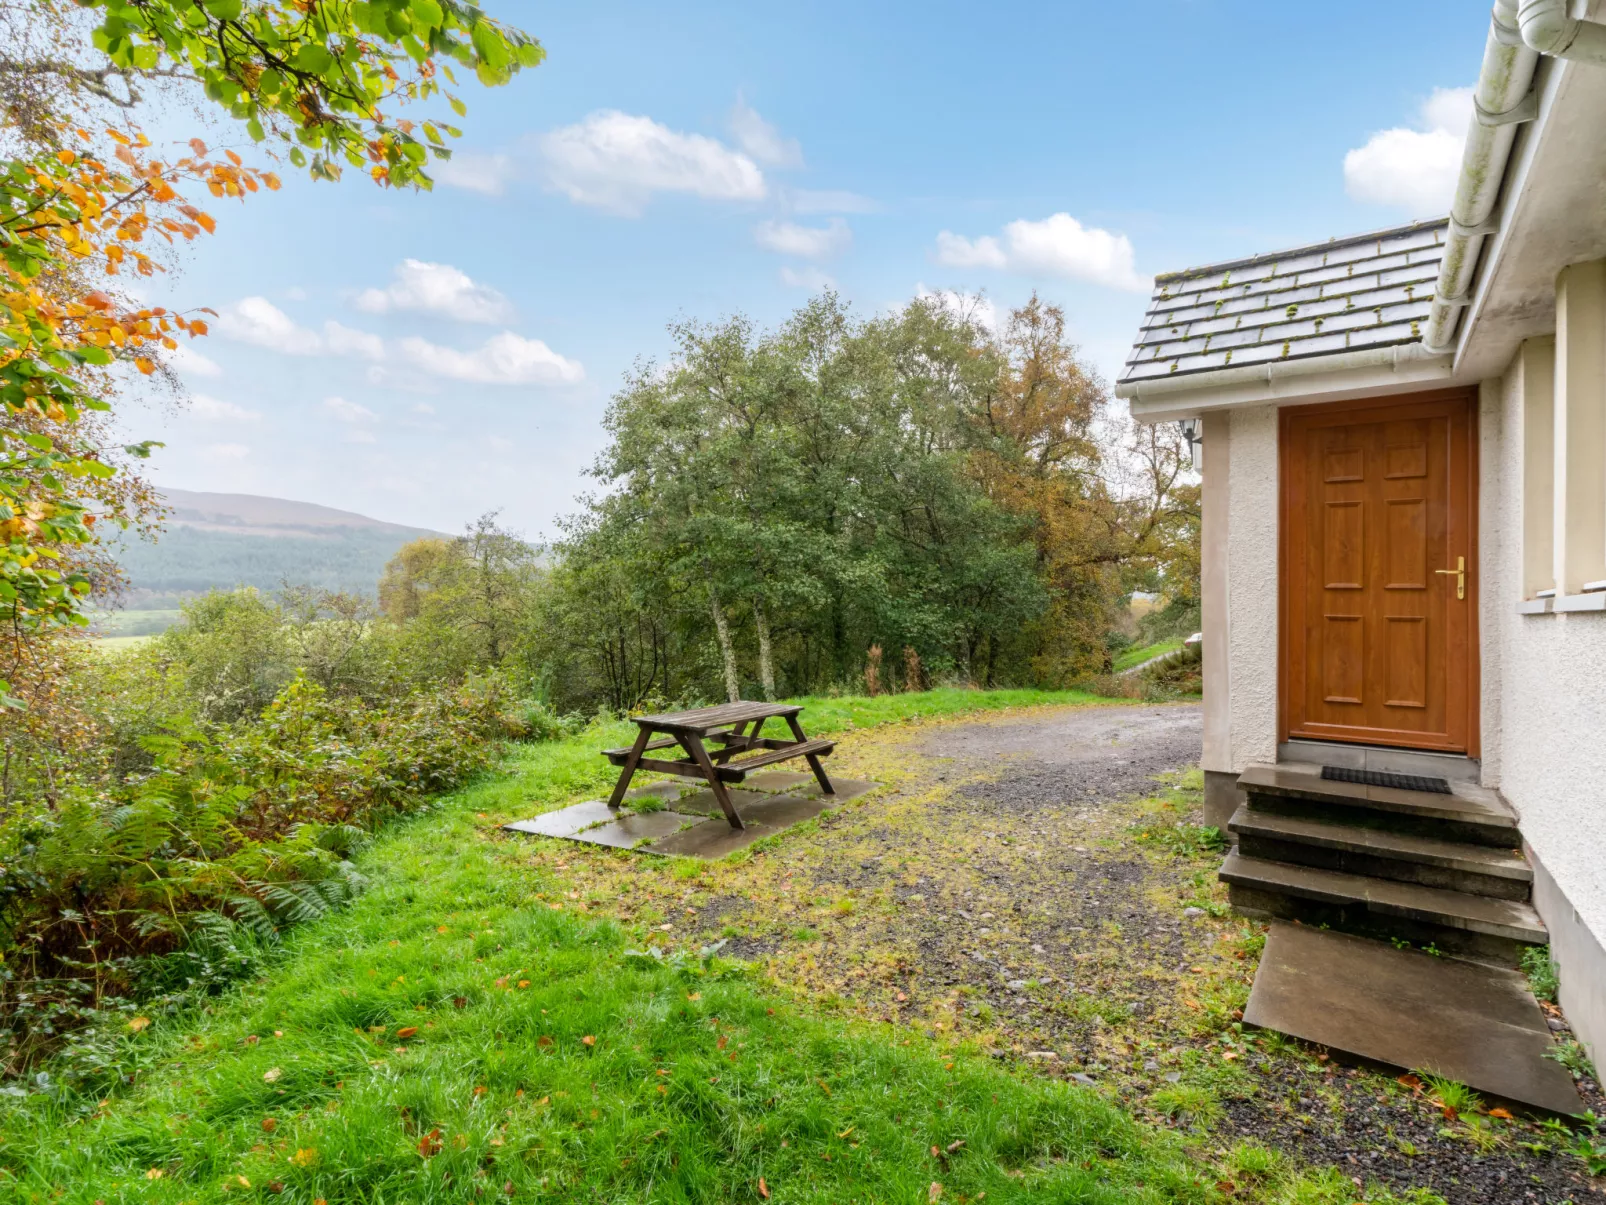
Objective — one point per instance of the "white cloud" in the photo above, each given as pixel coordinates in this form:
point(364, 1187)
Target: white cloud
point(975, 308)
point(829, 200)
point(762, 140)
point(226, 451)
point(809, 242)
point(1058, 246)
point(349, 412)
point(186, 360)
point(505, 359)
point(257, 321)
point(437, 289)
point(812, 279)
point(216, 411)
point(344, 341)
point(616, 161)
point(475, 172)
point(1416, 169)
point(422, 408)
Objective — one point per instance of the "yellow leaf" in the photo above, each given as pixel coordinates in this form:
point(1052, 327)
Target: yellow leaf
point(305, 1157)
point(155, 1173)
point(139, 1024)
point(271, 1075)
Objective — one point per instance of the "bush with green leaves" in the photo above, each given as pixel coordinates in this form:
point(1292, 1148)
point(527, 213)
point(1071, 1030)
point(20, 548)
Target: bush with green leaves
point(231, 834)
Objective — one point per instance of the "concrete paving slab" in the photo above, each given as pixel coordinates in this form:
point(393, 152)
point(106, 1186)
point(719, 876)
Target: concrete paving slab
point(783, 811)
point(846, 788)
point(1475, 1024)
point(565, 822)
point(703, 801)
point(711, 839)
point(776, 780)
point(627, 832)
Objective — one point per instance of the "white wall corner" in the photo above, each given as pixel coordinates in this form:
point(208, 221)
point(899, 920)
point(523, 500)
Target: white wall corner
point(1494, 594)
point(1215, 614)
point(1252, 575)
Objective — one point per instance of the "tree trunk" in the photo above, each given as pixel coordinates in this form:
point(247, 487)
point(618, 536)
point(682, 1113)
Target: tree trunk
point(766, 666)
point(727, 652)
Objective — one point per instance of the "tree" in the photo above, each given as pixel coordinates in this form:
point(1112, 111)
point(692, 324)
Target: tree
point(84, 195)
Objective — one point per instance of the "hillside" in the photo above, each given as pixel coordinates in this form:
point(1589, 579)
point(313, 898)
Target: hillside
point(218, 541)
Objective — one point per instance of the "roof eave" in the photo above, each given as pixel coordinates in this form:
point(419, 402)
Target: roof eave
point(1377, 370)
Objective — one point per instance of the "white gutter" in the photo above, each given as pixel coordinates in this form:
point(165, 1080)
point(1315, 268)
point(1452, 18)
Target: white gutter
point(1519, 32)
point(1272, 371)
point(1502, 99)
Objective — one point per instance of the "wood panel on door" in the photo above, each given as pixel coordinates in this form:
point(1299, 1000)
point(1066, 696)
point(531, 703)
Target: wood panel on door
point(1379, 640)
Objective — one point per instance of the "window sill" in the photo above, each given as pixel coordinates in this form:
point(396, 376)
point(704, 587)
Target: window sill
point(1593, 601)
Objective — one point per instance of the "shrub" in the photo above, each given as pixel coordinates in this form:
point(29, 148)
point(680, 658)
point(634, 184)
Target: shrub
point(231, 834)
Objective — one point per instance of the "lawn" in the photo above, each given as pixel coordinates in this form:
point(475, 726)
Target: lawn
point(465, 1032)
point(1137, 656)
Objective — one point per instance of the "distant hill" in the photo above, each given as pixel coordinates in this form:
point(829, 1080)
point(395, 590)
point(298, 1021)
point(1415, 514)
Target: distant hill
point(219, 541)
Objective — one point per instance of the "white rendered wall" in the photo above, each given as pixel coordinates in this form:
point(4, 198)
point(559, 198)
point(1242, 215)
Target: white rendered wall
point(1251, 587)
point(1544, 736)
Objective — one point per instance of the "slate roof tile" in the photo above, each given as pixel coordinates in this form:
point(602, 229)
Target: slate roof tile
point(1350, 294)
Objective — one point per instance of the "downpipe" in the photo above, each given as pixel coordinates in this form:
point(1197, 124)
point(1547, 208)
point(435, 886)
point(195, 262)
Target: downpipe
point(1546, 27)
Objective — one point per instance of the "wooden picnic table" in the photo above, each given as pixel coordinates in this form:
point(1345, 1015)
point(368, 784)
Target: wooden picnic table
point(728, 724)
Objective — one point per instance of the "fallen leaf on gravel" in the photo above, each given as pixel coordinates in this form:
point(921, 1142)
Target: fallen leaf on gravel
point(1410, 1081)
point(1502, 1114)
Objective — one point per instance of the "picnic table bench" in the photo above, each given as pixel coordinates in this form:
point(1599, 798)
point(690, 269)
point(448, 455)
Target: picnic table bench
point(737, 728)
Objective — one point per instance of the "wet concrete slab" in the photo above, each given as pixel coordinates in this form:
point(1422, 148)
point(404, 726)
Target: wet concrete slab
point(629, 831)
point(845, 788)
point(565, 822)
point(703, 801)
point(711, 839)
point(1476, 1024)
point(776, 780)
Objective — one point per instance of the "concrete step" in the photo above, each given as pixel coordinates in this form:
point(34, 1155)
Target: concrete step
point(1476, 1025)
point(1469, 813)
point(1334, 844)
point(1474, 925)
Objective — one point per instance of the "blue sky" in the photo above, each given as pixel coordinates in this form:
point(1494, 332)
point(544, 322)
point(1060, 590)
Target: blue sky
point(427, 357)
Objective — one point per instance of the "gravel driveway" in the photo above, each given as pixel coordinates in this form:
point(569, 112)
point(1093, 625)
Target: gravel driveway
point(1036, 883)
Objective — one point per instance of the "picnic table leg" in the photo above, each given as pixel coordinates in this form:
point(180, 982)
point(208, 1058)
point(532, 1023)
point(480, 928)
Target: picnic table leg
point(813, 758)
point(629, 771)
point(694, 746)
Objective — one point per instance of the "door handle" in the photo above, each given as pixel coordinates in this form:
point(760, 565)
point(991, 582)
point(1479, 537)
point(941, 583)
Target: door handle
point(1460, 572)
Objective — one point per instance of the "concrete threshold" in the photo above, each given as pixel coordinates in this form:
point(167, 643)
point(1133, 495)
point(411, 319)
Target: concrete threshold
point(1474, 1024)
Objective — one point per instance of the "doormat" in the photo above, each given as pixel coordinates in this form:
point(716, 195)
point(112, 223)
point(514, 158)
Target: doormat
point(1382, 778)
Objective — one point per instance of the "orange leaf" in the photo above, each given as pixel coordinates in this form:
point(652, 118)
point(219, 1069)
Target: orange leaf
point(1502, 1114)
point(430, 1144)
point(145, 366)
point(934, 1193)
point(543, 1040)
point(269, 1124)
point(1410, 1081)
point(589, 1040)
point(763, 1188)
point(407, 1031)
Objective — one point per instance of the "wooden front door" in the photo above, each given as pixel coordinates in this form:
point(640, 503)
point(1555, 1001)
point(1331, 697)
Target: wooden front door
point(1379, 644)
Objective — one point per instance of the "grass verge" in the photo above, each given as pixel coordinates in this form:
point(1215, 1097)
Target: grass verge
point(460, 1034)
point(1137, 656)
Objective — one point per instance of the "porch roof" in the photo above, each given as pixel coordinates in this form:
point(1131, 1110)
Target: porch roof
point(1345, 295)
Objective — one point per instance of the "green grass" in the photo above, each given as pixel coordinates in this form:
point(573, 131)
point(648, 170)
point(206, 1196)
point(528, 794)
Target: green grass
point(696, 1084)
point(826, 716)
point(113, 644)
point(1137, 656)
